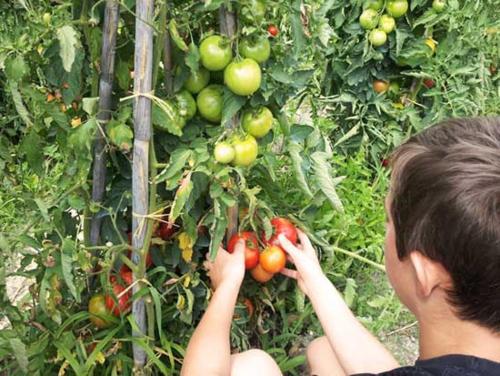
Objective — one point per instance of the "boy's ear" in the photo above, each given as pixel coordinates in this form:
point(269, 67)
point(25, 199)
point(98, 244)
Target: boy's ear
point(429, 274)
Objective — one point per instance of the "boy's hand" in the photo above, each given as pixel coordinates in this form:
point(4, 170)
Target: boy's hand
point(304, 257)
point(227, 268)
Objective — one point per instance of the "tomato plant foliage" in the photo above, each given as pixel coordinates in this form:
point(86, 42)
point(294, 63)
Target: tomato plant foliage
point(317, 72)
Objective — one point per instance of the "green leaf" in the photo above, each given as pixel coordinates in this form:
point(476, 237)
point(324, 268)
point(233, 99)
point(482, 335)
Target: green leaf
point(325, 181)
point(122, 74)
point(193, 57)
point(165, 116)
point(174, 33)
point(19, 351)
point(32, 148)
point(90, 105)
point(232, 103)
point(16, 68)
point(299, 38)
point(18, 103)
point(294, 150)
point(67, 250)
point(68, 42)
point(43, 209)
point(120, 134)
point(178, 160)
point(80, 139)
point(181, 197)
point(218, 229)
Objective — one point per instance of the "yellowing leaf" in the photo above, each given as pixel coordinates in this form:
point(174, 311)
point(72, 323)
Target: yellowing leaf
point(181, 302)
point(186, 246)
point(100, 358)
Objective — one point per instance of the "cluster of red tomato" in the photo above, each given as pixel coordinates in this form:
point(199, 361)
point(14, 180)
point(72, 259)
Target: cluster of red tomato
point(263, 265)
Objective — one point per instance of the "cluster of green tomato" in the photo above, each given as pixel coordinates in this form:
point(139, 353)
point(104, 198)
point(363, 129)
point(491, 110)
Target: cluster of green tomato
point(380, 26)
point(242, 76)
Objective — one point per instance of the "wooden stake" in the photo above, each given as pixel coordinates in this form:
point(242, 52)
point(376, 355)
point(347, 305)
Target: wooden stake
point(111, 16)
point(143, 68)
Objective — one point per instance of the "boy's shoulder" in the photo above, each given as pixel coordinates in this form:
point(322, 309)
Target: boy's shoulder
point(448, 365)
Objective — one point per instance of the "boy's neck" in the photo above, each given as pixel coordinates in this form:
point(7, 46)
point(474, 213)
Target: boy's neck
point(441, 335)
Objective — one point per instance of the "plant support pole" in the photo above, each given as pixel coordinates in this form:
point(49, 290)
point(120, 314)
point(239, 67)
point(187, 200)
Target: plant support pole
point(227, 22)
point(104, 115)
point(143, 68)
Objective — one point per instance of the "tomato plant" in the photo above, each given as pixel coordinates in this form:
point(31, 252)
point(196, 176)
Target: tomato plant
point(209, 102)
point(245, 150)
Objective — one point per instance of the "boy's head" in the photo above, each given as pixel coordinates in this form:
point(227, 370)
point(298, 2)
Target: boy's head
point(444, 219)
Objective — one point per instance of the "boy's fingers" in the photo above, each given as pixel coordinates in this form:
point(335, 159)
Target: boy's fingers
point(290, 273)
point(304, 240)
point(240, 247)
point(287, 246)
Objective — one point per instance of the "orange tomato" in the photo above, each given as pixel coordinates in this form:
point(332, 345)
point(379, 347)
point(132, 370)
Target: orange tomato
point(259, 274)
point(272, 259)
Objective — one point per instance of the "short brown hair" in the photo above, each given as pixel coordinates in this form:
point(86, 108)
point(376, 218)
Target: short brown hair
point(445, 203)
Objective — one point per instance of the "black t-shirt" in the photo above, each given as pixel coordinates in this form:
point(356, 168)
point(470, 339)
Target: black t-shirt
point(449, 365)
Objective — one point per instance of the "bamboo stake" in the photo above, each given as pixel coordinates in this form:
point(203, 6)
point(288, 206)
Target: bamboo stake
point(104, 115)
point(227, 24)
point(143, 68)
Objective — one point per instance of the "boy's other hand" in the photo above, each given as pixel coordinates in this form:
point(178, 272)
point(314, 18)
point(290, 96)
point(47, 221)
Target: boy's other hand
point(227, 268)
point(304, 257)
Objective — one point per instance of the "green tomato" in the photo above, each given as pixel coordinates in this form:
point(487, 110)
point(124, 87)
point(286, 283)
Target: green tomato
point(257, 122)
point(98, 311)
point(209, 103)
point(368, 19)
point(373, 4)
point(397, 8)
point(394, 89)
point(387, 24)
point(197, 81)
point(245, 150)
point(215, 52)
point(243, 77)
point(224, 152)
point(186, 104)
point(253, 11)
point(258, 50)
point(377, 37)
point(438, 5)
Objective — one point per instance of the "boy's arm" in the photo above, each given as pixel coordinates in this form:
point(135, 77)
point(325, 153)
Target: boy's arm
point(357, 350)
point(209, 351)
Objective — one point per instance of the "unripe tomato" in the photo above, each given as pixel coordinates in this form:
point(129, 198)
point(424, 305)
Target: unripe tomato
point(258, 49)
point(123, 301)
point(429, 83)
point(394, 88)
point(260, 275)
point(197, 81)
point(224, 152)
point(215, 52)
point(47, 18)
point(368, 19)
point(243, 77)
point(431, 44)
point(438, 5)
point(245, 150)
point(380, 86)
point(281, 226)
point(387, 24)
point(251, 247)
point(209, 103)
point(377, 37)
point(257, 122)
point(98, 311)
point(186, 104)
point(272, 30)
point(397, 8)
point(272, 259)
point(373, 4)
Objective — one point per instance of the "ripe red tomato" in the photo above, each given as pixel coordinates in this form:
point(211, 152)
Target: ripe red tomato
point(126, 275)
point(272, 259)
point(259, 274)
point(215, 52)
point(272, 30)
point(243, 77)
point(429, 83)
point(251, 247)
point(380, 86)
point(281, 226)
point(98, 311)
point(123, 301)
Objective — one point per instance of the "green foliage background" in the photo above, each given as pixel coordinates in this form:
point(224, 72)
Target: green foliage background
point(322, 167)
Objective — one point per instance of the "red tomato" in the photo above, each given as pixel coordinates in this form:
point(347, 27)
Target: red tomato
point(259, 274)
point(251, 248)
point(165, 230)
point(123, 301)
point(272, 30)
point(126, 275)
point(429, 83)
point(272, 259)
point(250, 307)
point(282, 226)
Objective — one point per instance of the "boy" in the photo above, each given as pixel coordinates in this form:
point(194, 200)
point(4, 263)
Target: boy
point(442, 255)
